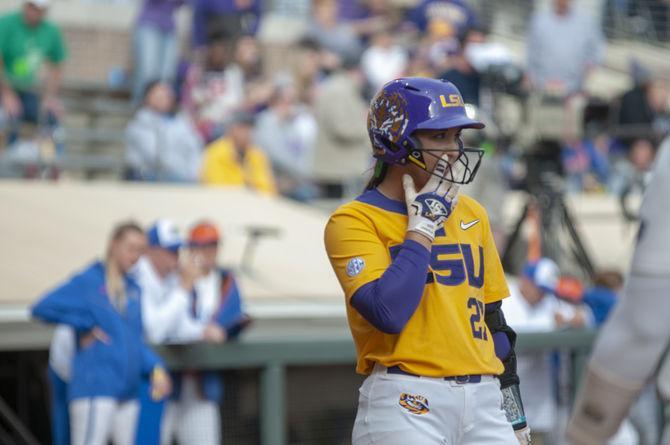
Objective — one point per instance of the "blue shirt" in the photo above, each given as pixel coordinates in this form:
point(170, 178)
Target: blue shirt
point(100, 369)
point(601, 301)
point(206, 11)
point(159, 13)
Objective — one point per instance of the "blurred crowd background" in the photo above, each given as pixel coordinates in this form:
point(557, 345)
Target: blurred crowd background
point(285, 85)
point(272, 96)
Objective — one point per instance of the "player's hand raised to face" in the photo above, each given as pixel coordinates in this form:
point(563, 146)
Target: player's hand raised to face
point(429, 208)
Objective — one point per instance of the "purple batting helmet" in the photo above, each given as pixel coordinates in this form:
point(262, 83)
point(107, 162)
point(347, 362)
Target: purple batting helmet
point(406, 105)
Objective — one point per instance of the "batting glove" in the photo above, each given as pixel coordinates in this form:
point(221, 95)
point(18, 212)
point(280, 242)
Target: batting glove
point(523, 435)
point(429, 208)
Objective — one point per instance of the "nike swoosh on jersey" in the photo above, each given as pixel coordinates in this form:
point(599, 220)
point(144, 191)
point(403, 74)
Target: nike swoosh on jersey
point(466, 226)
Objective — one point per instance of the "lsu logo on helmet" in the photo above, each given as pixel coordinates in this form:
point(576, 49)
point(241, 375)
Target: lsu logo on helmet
point(455, 100)
point(414, 403)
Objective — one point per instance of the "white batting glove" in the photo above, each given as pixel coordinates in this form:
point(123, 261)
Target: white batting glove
point(523, 435)
point(429, 208)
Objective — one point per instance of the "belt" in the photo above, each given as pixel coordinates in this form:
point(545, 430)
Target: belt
point(472, 378)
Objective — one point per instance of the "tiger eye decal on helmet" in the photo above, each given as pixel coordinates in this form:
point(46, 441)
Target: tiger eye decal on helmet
point(388, 115)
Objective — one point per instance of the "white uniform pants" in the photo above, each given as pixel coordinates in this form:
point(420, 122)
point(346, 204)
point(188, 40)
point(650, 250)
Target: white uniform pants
point(401, 409)
point(95, 421)
point(191, 420)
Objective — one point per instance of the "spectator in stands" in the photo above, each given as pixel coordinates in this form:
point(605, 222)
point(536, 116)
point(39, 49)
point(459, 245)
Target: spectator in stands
point(449, 18)
point(166, 300)
point(308, 70)
point(564, 45)
point(298, 10)
point(29, 43)
point(419, 64)
point(383, 60)
point(233, 18)
point(156, 49)
point(643, 110)
point(533, 307)
point(102, 305)
point(461, 72)
point(341, 158)
point(213, 89)
point(233, 160)
point(601, 298)
point(286, 131)
point(247, 59)
point(586, 164)
point(631, 175)
point(338, 40)
point(192, 415)
point(441, 39)
point(368, 17)
point(161, 145)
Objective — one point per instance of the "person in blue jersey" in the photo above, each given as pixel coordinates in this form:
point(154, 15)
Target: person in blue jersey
point(101, 304)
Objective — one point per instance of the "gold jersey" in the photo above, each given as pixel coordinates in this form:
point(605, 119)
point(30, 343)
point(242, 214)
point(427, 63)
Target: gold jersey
point(447, 334)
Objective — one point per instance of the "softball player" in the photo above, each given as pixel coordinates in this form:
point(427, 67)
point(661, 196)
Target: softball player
point(423, 282)
point(632, 342)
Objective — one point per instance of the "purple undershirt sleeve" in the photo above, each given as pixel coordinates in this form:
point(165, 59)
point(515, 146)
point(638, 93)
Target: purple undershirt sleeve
point(500, 340)
point(502, 345)
point(390, 301)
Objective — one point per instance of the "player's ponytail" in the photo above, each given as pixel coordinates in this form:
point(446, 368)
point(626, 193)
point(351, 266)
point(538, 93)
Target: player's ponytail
point(381, 168)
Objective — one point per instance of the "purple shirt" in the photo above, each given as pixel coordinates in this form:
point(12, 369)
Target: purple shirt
point(351, 10)
point(204, 10)
point(455, 12)
point(159, 13)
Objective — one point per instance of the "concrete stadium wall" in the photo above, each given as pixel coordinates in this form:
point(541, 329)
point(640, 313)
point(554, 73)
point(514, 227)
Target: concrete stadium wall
point(57, 227)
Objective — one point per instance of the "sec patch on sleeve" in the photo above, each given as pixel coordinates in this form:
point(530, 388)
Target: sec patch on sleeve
point(355, 266)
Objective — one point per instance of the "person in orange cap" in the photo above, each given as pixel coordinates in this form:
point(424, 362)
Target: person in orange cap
point(193, 414)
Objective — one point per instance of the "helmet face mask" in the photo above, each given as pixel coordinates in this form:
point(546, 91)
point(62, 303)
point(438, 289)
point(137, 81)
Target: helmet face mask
point(469, 159)
point(404, 106)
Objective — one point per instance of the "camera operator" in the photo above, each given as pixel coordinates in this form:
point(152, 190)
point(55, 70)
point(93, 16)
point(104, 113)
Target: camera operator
point(461, 72)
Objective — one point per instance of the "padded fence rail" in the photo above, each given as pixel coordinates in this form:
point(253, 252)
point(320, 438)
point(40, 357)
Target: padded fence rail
point(297, 391)
point(307, 389)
